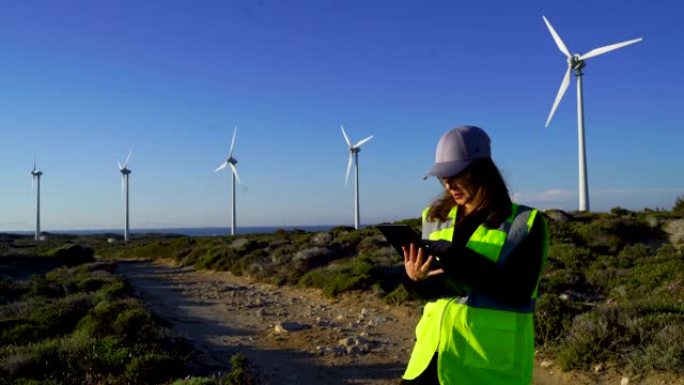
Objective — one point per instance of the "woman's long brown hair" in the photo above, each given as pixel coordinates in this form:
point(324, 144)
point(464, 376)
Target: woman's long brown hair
point(491, 193)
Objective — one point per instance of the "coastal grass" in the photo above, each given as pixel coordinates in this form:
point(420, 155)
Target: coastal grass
point(612, 291)
point(81, 325)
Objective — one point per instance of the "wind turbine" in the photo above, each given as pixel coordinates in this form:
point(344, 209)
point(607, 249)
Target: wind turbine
point(576, 62)
point(125, 172)
point(36, 178)
point(354, 153)
point(231, 162)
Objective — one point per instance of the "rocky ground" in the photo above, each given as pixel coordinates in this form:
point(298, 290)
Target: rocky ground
point(297, 336)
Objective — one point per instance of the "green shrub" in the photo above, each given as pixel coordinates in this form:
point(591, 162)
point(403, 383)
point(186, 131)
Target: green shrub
point(397, 296)
point(564, 232)
point(109, 355)
point(9, 290)
point(336, 279)
point(152, 368)
point(570, 256)
point(630, 254)
point(91, 284)
point(678, 207)
point(553, 317)
point(21, 333)
point(61, 316)
point(40, 286)
point(590, 339)
point(600, 236)
point(241, 372)
point(619, 211)
point(562, 280)
point(113, 290)
point(133, 323)
point(73, 254)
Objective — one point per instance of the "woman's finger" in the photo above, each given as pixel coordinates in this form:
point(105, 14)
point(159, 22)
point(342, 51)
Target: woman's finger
point(435, 272)
point(426, 266)
point(419, 256)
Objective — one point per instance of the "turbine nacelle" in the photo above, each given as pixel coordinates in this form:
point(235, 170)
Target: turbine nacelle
point(35, 172)
point(576, 62)
point(124, 167)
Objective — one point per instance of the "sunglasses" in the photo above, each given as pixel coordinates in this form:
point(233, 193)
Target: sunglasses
point(458, 181)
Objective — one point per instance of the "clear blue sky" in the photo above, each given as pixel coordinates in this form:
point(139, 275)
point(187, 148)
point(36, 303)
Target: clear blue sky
point(82, 82)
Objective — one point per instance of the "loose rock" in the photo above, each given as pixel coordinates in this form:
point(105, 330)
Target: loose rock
point(287, 327)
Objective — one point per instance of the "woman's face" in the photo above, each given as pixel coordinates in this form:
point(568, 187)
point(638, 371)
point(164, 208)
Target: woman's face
point(460, 188)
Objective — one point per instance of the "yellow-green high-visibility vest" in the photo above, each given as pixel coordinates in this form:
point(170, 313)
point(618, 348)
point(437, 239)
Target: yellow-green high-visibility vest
point(478, 340)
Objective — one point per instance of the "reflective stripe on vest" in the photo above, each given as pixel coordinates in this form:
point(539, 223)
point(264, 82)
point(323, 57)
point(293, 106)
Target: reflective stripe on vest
point(439, 230)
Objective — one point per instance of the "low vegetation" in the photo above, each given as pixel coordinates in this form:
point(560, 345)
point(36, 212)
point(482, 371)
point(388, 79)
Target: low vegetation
point(613, 287)
point(612, 290)
point(81, 325)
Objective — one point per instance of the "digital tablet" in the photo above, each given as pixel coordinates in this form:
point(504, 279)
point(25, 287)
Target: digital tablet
point(399, 235)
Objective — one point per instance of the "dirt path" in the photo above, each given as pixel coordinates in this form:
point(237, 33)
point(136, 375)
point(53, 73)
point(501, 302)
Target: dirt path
point(351, 340)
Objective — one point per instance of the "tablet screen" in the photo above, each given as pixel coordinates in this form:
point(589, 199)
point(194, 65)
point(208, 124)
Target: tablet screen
point(399, 235)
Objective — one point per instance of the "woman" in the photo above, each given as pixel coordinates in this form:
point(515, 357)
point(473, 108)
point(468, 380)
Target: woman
point(477, 325)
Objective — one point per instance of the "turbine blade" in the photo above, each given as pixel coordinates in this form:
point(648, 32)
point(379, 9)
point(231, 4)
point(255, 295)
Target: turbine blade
point(125, 163)
point(608, 48)
point(361, 142)
point(232, 142)
point(561, 91)
point(122, 188)
point(232, 167)
point(346, 138)
point(557, 39)
point(349, 165)
point(120, 166)
point(222, 166)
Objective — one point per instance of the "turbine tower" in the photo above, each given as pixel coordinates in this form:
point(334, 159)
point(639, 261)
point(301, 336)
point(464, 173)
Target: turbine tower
point(36, 179)
point(354, 153)
point(231, 162)
point(576, 63)
point(125, 173)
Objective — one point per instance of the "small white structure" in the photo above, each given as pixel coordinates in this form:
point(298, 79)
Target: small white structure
point(36, 180)
point(231, 162)
point(125, 173)
point(354, 153)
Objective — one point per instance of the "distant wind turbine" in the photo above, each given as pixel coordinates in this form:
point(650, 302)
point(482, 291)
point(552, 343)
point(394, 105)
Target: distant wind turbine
point(576, 62)
point(125, 173)
point(35, 173)
point(354, 153)
point(231, 162)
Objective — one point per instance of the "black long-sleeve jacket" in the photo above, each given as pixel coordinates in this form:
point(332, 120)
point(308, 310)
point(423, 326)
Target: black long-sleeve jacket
point(511, 283)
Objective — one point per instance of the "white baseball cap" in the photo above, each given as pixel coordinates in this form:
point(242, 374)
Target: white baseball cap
point(457, 149)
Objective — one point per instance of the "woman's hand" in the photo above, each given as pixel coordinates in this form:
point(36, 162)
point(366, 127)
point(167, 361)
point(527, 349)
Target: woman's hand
point(416, 267)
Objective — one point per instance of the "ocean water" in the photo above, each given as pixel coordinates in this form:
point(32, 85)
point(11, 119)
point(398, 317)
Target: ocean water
point(189, 231)
point(213, 231)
